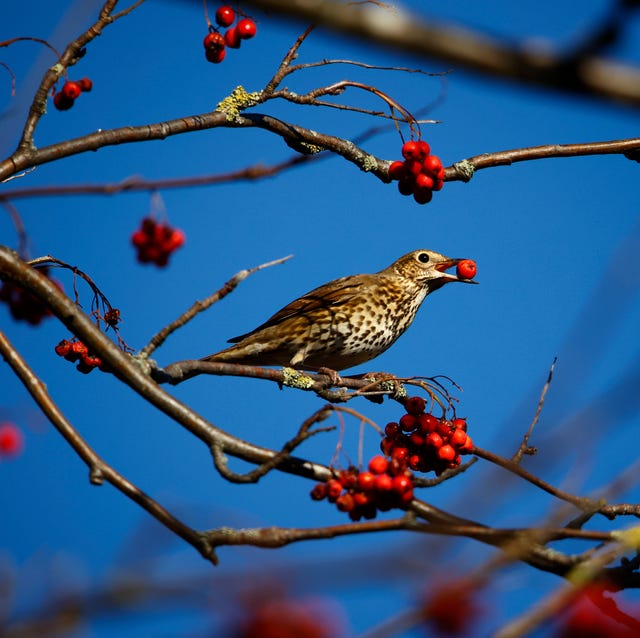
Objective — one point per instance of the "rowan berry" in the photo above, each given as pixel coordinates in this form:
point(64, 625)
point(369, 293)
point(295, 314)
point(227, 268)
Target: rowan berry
point(225, 16)
point(11, 439)
point(232, 38)
point(411, 150)
point(71, 90)
point(414, 406)
point(466, 269)
point(213, 41)
point(246, 29)
point(378, 464)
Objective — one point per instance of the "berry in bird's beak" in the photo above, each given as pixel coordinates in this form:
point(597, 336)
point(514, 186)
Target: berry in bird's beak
point(465, 269)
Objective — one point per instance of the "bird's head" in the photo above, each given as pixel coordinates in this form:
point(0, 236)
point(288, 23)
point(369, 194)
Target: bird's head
point(427, 268)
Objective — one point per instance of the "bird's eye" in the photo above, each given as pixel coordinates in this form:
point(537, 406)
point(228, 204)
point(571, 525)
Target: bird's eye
point(423, 257)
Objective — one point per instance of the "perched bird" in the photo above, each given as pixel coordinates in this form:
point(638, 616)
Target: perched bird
point(347, 321)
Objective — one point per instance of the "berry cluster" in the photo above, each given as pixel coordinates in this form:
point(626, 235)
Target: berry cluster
point(425, 442)
point(11, 439)
point(23, 305)
point(215, 44)
point(65, 98)
point(466, 269)
point(77, 351)
point(420, 174)
point(155, 242)
point(287, 618)
point(385, 485)
point(449, 618)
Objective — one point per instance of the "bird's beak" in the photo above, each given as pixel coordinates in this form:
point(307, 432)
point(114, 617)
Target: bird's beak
point(450, 263)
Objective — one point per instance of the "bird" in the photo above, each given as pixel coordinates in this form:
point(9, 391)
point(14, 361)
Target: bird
point(347, 321)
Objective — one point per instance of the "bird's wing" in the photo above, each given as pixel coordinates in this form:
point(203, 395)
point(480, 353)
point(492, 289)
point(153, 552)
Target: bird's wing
point(329, 295)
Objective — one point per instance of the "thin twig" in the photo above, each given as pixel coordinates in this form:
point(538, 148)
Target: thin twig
point(199, 306)
point(524, 446)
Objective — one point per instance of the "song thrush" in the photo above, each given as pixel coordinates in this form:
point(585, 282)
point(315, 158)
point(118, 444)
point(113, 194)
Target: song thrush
point(347, 321)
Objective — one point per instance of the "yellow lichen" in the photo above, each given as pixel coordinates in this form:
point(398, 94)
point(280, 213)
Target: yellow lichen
point(296, 379)
point(238, 101)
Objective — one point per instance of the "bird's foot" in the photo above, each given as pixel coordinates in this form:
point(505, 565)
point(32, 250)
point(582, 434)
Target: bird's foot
point(334, 377)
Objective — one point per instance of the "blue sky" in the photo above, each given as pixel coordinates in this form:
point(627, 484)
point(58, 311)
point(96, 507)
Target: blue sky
point(544, 235)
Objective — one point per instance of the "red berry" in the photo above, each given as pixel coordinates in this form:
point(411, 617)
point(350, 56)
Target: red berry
point(423, 149)
point(225, 16)
point(438, 184)
point(139, 238)
point(411, 150)
point(215, 55)
point(458, 438)
point(428, 422)
point(365, 481)
point(334, 489)
point(246, 29)
point(413, 168)
point(319, 491)
point(62, 102)
point(467, 446)
point(400, 454)
point(424, 181)
point(408, 422)
point(175, 240)
point(422, 195)
point(345, 502)
point(387, 446)
point(62, 349)
point(405, 186)
point(444, 427)
point(361, 499)
point(392, 430)
point(414, 406)
point(416, 462)
point(383, 483)
point(11, 439)
point(447, 453)
point(378, 464)
point(466, 269)
point(71, 90)
point(397, 170)
point(232, 38)
point(434, 440)
point(79, 349)
point(460, 424)
point(417, 440)
point(432, 165)
point(347, 478)
point(213, 42)
point(92, 360)
point(85, 85)
point(402, 483)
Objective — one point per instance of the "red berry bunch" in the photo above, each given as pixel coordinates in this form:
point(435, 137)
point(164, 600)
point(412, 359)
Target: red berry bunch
point(287, 618)
point(11, 439)
point(23, 305)
point(466, 269)
point(386, 484)
point(155, 242)
point(426, 442)
point(65, 98)
point(215, 43)
point(77, 351)
point(420, 173)
point(451, 607)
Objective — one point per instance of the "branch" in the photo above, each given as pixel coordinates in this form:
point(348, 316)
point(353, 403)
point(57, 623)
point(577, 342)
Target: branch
point(292, 134)
point(461, 47)
point(99, 471)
